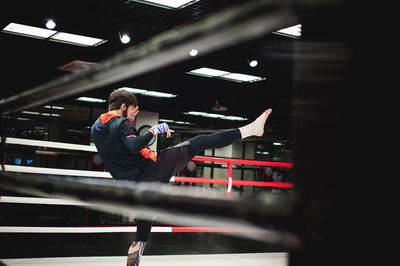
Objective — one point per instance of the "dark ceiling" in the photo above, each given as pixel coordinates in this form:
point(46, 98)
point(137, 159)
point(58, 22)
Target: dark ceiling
point(29, 62)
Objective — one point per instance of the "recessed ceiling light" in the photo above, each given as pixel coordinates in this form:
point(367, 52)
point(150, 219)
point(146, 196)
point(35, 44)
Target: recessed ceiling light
point(28, 31)
point(54, 107)
point(193, 52)
point(277, 143)
point(50, 24)
point(52, 35)
point(90, 100)
point(38, 113)
point(31, 113)
point(219, 116)
point(48, 114)
point(168, 3)
point(208, 72)
point(253, 63)
point(125, 38)
point(237, 77)
point(76, 39)
point(149, 93)
point(294, 31)
point(241, 77)
point(175, 122)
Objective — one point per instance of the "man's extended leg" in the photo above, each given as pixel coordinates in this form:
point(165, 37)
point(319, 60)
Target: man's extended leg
point(226, 137)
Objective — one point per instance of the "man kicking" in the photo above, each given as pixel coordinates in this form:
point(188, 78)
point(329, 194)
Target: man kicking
point(126, 156)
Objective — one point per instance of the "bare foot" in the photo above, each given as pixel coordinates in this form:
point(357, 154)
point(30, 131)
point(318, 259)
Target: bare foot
point(255, 128)
point(260, 122)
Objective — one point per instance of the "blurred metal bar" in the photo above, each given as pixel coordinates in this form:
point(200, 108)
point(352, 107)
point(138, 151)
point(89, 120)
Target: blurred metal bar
point(174, 205)
point(326, 177)
point(240, 23)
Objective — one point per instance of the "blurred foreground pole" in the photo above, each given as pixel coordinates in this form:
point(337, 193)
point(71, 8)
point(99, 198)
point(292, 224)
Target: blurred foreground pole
point(323, 133)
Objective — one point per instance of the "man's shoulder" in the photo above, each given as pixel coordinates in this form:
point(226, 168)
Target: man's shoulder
point(124, 124)
point(118, 121)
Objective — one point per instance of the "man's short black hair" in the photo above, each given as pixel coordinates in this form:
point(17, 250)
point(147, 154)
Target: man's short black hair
point(118, 97)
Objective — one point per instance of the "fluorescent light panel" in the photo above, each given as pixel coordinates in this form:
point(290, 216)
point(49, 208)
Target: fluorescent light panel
point(149, 93)
point(31, 113)
point(215, 73)
point(219, 116)
point(54, 107)
point(294, 31)
point(168, 3)
point(28, 31)
point(209, 72)
point(38, 113)
point(48, 114)
point(241, 77)
point(76, 39)
point(90, 100)
point(174, 122)
point(52, 35)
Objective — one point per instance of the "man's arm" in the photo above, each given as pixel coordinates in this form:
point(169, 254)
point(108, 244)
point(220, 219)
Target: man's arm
point(134, 143)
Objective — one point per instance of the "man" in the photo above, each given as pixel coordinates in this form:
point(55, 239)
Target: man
point(126, 156)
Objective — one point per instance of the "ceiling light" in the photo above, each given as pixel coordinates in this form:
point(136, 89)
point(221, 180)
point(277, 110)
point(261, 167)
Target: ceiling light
point(253, 63)
point(22, 118)
point(277, 144)
point(133, 90)
point(149, 93)
point(52, 35)
point(174, 122)
point(294, 31)
point(237, 77)
point(30, 113)
point(54, 107)
point(182, 123)
point(125, 38)
point(37, 113)
point(208, 72)
point(76, 39)
point(28, 31)
point(48, 114)
point(168, 3)
point(241, 77)
point(211, 115)
point(166, 120)
point(50, 24)
point(90, 100)
point(159, 94)
point(232, 117)
point(193, 52)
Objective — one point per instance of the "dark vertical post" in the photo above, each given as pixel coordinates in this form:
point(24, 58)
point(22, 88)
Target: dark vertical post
point(324, 89)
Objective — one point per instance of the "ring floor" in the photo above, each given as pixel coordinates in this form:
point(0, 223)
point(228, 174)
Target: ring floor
point(253, 259)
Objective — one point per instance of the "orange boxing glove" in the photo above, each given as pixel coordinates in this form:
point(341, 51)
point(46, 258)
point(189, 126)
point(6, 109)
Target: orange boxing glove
point(148, 153)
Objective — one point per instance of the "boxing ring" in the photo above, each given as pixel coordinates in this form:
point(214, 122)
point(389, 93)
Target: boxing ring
point(84, 176)
point(308, 223)
point(38, 178)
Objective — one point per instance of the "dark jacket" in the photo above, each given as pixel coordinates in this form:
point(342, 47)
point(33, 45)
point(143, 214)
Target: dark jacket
point(124, 152)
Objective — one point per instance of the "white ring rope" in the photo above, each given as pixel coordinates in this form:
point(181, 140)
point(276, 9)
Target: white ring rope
point(51, 144)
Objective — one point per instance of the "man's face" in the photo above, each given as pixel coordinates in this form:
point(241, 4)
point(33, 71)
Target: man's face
point(130, 111)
